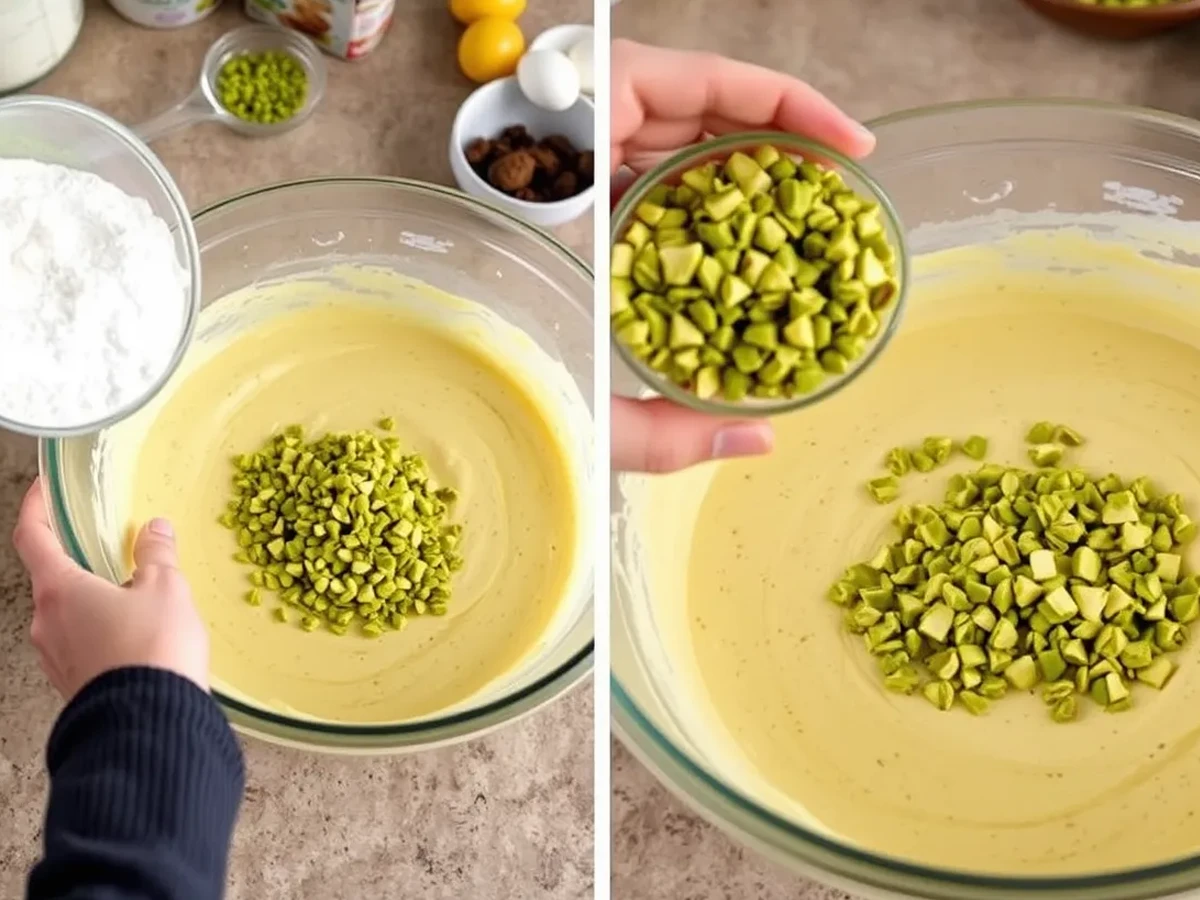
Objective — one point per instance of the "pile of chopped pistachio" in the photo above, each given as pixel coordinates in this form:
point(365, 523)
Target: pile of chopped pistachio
point(758, 277)
point(1023, 577)
point(345, 528)
point(263, 86)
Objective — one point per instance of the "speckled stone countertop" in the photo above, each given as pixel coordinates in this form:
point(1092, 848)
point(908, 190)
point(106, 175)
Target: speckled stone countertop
point(507, 816)
point(872, 58)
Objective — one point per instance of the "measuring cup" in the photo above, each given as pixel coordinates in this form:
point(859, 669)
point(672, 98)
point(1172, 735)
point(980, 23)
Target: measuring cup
point(204, 105)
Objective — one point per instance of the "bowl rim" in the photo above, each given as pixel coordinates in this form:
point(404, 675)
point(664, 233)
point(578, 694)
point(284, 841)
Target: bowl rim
point(187, 233)
point(623, 215)
point(833, 860)
point(486, 716)
point(1165, 10)
point(587, 195)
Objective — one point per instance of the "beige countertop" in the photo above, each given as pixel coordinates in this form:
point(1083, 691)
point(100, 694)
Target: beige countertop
point(872, 58)
point(507, 816)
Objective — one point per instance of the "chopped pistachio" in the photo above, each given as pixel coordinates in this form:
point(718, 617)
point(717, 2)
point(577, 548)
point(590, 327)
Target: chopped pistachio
point(885, 489)
point(1065, 710)
point(1021, 576)
point(1022, 673)
point(1157, 673)
point(1040, 433)
point(940, 694)
point(1046, 454)
point(976, 446)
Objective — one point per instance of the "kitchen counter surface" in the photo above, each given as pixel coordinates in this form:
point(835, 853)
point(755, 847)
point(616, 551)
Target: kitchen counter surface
point(872, 58)
point(506, 816)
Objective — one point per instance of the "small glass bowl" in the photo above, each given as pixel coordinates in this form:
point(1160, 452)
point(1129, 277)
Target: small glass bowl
point(203, 104)
point(669, 172)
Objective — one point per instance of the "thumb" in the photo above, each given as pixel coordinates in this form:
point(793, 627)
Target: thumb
point(660, 436)
point(154, 549)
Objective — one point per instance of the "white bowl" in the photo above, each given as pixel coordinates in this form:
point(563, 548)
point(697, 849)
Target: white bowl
point(496, 106)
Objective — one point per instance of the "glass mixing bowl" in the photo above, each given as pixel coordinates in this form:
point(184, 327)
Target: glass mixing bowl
point(429, 233)
point(953, 172)
point(670, 170)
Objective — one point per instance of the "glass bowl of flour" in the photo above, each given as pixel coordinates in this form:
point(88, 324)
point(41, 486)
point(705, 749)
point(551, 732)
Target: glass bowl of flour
point(100, 267)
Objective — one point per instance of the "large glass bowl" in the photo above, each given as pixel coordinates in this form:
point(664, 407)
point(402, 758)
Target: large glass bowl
point(953, 172)
point(425, 232)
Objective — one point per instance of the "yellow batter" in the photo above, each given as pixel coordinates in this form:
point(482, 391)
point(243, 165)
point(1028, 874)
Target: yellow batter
point(335, 357)
point(788, 707)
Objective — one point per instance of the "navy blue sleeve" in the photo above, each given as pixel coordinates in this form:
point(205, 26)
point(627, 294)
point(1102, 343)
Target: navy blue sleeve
point(145, 782)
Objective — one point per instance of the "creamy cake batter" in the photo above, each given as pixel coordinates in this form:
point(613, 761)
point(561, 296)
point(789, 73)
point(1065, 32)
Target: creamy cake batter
point(788, 707)
point(338, 355)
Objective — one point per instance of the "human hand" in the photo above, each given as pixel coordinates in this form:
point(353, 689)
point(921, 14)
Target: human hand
point(663, 100)
point(660, 436)
point(84, 626)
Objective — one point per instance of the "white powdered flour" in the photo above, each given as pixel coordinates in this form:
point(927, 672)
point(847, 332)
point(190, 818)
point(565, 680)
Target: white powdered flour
point(92, 296)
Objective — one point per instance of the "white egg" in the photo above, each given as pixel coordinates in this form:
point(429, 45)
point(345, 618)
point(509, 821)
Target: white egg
point(581, 55)
point(548, 79)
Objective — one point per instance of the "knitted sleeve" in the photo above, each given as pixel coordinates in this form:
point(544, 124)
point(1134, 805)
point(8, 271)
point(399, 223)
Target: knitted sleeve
point(145, 782)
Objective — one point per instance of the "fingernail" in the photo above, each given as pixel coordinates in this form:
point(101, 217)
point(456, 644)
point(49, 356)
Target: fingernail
point(161, 527)
point(743, 439)
point(864, 132)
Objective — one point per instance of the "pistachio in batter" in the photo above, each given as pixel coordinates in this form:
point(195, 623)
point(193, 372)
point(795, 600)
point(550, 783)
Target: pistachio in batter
point(466, 393)
point(739, 556)
point(344, 527)
point(1020, 577)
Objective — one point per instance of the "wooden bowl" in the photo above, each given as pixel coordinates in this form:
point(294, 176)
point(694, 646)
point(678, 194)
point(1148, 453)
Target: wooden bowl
point(1118, 22)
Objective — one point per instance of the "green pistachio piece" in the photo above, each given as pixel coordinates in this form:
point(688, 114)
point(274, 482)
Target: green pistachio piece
point(936, 622)
point(1040, 433)
point(903, 681)
point(898, 461)
point(885, 489)
point(922, 461)
point(975, 446)
point(940, 694)
point(1156, 673)
point(938, 448)
point(1067, 436)
point(1065, 710)
point(1120, 507)
point(721, 205)
point(1046, 454)
point(1022, 673)
point(1051, 664)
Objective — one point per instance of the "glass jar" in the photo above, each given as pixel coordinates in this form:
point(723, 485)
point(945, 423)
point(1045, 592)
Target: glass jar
point(35, 36)
point(164, 13)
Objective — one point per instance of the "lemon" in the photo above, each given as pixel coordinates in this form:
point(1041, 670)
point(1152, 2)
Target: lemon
point(490, 48)
point(468, 11)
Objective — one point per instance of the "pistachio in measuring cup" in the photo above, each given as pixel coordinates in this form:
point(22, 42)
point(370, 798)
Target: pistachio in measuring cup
point(263, 87)
point(346, 529)
point(759, 276)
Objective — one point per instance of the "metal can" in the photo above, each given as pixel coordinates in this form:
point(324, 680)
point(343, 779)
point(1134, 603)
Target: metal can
point(164, 13)
point(349, 29)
